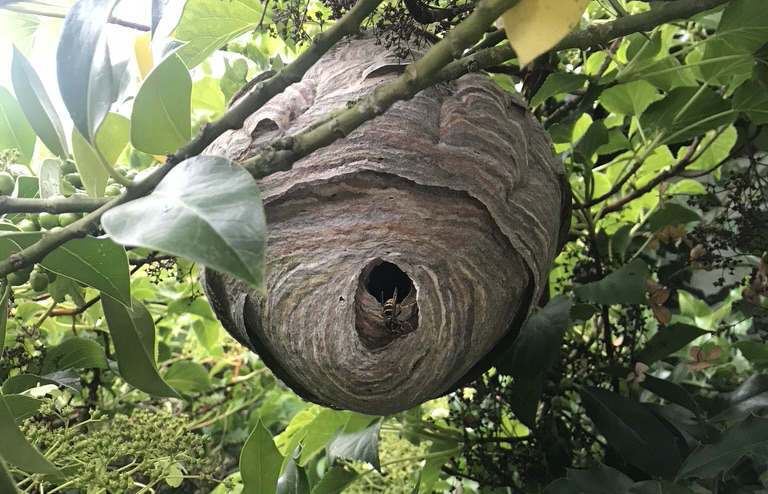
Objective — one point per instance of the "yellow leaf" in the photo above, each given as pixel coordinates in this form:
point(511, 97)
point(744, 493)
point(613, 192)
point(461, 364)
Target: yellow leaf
point(143, 54)
point(535, 26)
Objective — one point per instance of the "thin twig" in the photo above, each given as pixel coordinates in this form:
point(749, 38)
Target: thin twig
point(23, 8)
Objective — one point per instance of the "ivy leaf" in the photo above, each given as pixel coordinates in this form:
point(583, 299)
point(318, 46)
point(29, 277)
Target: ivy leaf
point(83, 68)
point(133, 333)
point(96, 262)
point(16, 449)
point(74, 353)
point(358, 446)
point(633, 430)
point(749, 436)
point(208, 210)
point(260, 462)
point(206, 26)
point(626, 285)
point(15, 132)
point(160, 119)
point(37, 106)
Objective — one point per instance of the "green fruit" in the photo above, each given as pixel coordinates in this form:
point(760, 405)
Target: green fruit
point(38, 281)
point(112, 190)
point(121, 170)
point(19, 277)
point(131, 174)
point(48, 221)
point(28, 226)
point(74, 179)
point(67, 189)
point(68, 167)
point(50, 274)
point(7, 183)
point(67, 219)
point(55, 229)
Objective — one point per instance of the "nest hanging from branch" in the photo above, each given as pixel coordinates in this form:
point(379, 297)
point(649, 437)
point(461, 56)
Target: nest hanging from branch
point(405, 257)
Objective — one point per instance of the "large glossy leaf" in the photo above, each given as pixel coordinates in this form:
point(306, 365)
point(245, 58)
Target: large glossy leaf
point(188, 377)
point(207, 209)
point(539, 342)
point(207, 25)
point(750, 397)
point(439, 453)
point(318, 432)
point(15, 132)
point(358, 446)
point(83, 69)
point(22, 382)
point(260, 462)
point(133, 334)
point(15, 448)
point(160, 120)
point(668, 340)
point(752, 99)
point(633, 431)
point(22, 406)
point(111, 139)
point(671, 215)
point(96, 262)
point(6, 482)
point(749, 436)
point(293, 480)
point(37, 106)
point(558, 83)
point(629, 99)
point(671, 392)
point(601, 479)
point(626, 285)
point(74, 353)
point(335, 480)
point(680, 120)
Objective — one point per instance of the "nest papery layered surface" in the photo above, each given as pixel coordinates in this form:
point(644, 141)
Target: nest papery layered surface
point(458, 188)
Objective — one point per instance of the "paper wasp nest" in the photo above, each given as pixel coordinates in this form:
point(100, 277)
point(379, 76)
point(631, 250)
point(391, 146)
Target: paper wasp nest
point(453, 198)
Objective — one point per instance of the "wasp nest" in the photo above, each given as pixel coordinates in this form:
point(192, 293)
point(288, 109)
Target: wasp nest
point(403, 258)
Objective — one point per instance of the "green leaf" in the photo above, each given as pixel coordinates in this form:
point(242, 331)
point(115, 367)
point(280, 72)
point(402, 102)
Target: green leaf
point(633, 431)
point(668, 340)
point(6, 481)
point(96, 262)
point(687, 112)
point(671, 214)
point(439, 453)
point(22, 382)
point(672, 392)
point(626, 285)
point(83, 68)
point(160, 119)
point(22, 407)
point(631, 98)
point(358, 446)
point(260, 462)
point(527, 393)
point(75, 353)
point(319, 431)
point(208, 210)
point(111, 139)
point(16, 449)
point(598, 480)
point(4, 301)
point(743, 26)
point(293, 480)
point(15, 132)
point(207, 95)
point(539, 342)
point(595, 136)
point(558, 83)
point(206, 26)
point(750, 397)
point(751, 98)
point(188, 377)
point(133, 334)
point(749, 436)
point(335, 480)
point(49, 178)
point(37, 106)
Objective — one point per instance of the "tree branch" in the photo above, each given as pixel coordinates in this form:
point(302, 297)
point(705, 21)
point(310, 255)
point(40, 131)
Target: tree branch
point(232, 118)
point(23, 8)
point(53, 205)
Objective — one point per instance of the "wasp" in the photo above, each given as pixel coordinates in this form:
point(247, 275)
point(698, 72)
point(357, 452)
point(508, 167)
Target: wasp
point(391, 311)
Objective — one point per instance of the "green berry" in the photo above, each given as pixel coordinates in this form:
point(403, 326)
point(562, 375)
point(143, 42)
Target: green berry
point(112, 190)
point(67, 219)
point(74, 179)
point(7, 183)
point(48, 221)
point(19, 277)
point(26, 225)
point(68, 167)
point(131, 174)
point(38, 281)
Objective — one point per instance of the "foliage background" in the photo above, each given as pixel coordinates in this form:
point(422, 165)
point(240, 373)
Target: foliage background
point(643, 370)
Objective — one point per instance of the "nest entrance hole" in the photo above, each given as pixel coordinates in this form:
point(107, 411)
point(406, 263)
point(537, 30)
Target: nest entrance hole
point(384, 278)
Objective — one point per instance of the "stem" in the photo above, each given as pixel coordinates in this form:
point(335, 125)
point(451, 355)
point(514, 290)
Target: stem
point(21, 8)
point(52, 205)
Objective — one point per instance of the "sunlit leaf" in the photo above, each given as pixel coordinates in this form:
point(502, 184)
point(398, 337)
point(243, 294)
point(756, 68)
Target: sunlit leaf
point(111, 139)
point(83, 67)
point(626, 285)
point(15, 449)
point(535, 26)
point(188, 377)
point(75, 353)
point(133, 334)
point(208, 210)
point(629, 99)
point(558, 83)
point(37, 106)
point(358, 446)
point(15, 132)
point(260, 462)
point(160, 119)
